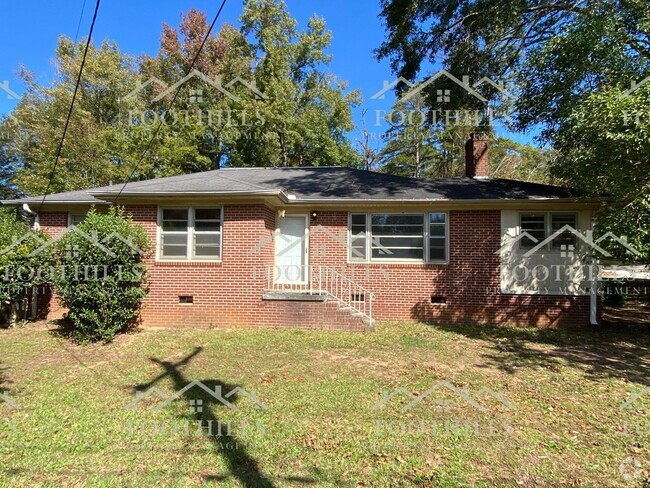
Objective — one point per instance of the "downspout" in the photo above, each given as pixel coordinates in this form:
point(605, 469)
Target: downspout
point(593, 292)
point(36, 225)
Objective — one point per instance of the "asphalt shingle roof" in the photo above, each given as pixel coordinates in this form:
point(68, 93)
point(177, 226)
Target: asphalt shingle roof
point(318, 183)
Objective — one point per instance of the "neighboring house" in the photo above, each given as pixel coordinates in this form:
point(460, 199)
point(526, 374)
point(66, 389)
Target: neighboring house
point(328, 247)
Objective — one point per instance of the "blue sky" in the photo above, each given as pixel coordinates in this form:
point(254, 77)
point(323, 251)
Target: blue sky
point(31, 29)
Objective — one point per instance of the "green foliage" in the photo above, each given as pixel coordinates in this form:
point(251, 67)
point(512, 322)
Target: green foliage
point(100, 277)
point(572, 64)
point(605, 148)
point(302, 118)
point(25, 262)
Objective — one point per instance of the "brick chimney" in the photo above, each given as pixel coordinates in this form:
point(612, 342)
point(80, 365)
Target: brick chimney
point(477, 161)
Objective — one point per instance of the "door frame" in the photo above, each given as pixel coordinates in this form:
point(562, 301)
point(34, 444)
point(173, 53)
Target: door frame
point(305, 256)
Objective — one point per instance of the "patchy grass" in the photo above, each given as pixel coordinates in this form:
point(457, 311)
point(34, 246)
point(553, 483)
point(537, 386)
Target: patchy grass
point(514, 407)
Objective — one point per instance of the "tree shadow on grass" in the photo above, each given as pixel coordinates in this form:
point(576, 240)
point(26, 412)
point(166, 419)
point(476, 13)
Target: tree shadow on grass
point(604, 351)
point(240, 464)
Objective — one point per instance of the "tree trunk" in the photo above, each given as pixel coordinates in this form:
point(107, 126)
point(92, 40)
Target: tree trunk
point(13, 314)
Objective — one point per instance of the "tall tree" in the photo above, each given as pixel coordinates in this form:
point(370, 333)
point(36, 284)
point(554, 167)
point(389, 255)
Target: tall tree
point(95, 151)
point(205, 122)
point(307, 112)
point(562, 56)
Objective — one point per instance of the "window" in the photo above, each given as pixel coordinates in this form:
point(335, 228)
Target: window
point(190, 233)
point(75, 219)
point(437, 237)
point(398, 237)
point(566, 239)
point(535, 225)
point(543, 225)
point(358, 237)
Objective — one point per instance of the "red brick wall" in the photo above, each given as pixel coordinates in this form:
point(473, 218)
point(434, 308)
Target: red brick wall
point(468, 282)
point(48, 306)
point(229, 293)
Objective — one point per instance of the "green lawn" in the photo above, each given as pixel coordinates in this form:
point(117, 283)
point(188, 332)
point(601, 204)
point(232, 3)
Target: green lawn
point(556, 417)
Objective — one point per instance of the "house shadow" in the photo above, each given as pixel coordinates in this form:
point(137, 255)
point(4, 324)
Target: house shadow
point(241, 465)
point(610, 350)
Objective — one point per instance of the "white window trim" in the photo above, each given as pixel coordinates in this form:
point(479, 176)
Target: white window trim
point(189, 257)
point(426, 251)
point(71, 214)
point(548, 227)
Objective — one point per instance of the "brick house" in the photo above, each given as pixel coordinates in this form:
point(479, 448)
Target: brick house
point(334, 247)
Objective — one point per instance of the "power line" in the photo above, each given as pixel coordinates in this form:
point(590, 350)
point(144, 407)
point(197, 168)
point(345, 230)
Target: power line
point(74, 96)
point(81, 16)
point(155, 134)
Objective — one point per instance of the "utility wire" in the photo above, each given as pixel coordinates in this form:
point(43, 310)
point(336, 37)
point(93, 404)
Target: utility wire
point(155, 134)
point(74, 96)
point(81, 16)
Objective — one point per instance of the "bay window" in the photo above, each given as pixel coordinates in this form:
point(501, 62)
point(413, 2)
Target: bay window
point(190, 233)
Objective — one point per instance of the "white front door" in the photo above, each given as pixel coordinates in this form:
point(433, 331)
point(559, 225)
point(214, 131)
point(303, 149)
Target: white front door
point(291, 245)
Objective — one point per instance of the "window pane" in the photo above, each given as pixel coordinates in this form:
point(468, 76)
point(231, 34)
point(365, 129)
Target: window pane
point(207, 245)
point(567, 239)
point(76, 219)
point(389, 225)
point(386, 219)
point(397, 236)
point(437, 249)
point(385, 253)
point(206, 226)
point(437, 230)
point(175, 214)
point(535, 225)
point(358, 249)
point(359, 219)
point(396, 241)
point(174, 245)
point(358, 238)
point(207, 252)
point(174, 220)
point(207, 214)
point(437, 237)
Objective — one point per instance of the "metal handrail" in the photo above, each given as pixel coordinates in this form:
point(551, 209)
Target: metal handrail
point(322, 280)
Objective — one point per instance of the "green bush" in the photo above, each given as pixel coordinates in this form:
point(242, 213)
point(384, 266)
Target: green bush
point(26, 260)
point(100, 274)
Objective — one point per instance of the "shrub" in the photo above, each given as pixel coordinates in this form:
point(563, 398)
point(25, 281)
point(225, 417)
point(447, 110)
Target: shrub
point(100, 274)
point(25, 263)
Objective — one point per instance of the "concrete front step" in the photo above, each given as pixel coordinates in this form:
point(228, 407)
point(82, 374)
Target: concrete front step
point(295, 296)
point(327, 314)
